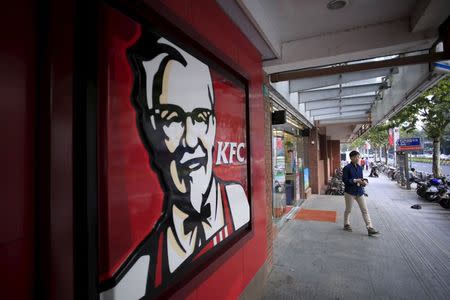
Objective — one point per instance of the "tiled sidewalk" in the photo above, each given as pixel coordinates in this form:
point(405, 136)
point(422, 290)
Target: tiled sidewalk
point(409, 260)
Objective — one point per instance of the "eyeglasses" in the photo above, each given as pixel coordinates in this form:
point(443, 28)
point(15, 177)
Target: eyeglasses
point(170, 113)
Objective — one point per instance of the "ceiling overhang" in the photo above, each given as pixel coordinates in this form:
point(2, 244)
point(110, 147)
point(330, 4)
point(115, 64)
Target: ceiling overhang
point(348, 72)
point(330, 80)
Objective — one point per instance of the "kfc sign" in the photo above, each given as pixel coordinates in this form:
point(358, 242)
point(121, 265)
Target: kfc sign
point(229, 152)
point(186, 119)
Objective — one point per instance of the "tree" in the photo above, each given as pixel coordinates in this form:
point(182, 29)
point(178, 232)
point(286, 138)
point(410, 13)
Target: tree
point(358, 143)
point(432, 109)
point(377, 138)
point(413, 133)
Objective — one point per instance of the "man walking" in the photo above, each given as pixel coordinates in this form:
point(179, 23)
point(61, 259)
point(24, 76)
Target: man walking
point(354, 190)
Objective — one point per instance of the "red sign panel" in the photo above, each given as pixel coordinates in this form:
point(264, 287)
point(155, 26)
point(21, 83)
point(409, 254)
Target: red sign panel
point(173, 160)
point(409, 148)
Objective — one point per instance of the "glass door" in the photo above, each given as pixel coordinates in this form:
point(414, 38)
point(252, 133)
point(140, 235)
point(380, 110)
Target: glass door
point(279, 174)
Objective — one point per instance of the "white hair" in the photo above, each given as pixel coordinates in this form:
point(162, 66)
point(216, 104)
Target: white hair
point(198, 69)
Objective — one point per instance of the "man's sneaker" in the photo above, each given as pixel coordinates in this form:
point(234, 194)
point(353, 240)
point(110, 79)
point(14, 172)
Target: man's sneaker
point(348, 228)
point(371, 231)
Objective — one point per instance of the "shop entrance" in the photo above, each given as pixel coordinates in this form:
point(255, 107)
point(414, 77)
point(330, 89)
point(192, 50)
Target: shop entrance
point(288, 161)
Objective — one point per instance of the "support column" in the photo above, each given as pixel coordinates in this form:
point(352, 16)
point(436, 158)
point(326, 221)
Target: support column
point(335, 155)
point(323, 160)
point(269, 193)
point(328, 162)
point(313, 149)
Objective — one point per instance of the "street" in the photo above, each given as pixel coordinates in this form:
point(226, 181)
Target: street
point(426, 167)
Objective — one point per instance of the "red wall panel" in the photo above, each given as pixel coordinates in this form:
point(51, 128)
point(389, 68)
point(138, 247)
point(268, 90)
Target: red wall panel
point(227, 276)
point(131, 196)
point(61, 203)
point(207, 19)
point(17, 109)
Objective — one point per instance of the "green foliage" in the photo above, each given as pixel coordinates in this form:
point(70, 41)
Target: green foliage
point(433, 112)
point(358, 142)
point(428, 160)
point(432, 108)
point(376, 136)
point(414, 133)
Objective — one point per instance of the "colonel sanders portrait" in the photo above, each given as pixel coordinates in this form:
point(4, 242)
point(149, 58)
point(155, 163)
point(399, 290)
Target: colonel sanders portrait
point(173, 97)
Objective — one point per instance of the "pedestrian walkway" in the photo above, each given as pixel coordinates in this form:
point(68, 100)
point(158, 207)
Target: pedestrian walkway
point(410, 259)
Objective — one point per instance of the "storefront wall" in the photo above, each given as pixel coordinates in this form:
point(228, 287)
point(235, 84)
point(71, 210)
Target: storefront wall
point(229, 273)
point(335, 157)
point(303, 166)
point(290, 167)
point(291, 162)
point(323, 159)
point(48, 151)
point(279, 173)
point(17, 115)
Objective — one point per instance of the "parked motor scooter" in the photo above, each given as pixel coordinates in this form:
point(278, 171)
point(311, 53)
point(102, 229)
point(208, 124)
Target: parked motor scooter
point(443, 197)
point(444, 200)
point(421, 187)
point(392, 172)
point(437, 186)
point(374, 171)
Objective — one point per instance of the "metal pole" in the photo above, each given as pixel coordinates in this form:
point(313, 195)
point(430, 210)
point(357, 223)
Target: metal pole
point(408, 183)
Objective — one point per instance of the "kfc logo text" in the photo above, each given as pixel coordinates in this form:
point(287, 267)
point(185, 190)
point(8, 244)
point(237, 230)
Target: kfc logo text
point(228, 151)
